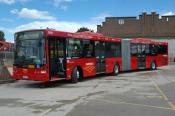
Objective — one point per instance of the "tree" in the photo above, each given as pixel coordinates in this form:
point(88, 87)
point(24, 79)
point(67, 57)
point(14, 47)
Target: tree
point(2, 36)
point(83, 29)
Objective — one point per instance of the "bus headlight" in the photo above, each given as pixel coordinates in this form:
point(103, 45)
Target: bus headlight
point(31, 66)
point(43, 72)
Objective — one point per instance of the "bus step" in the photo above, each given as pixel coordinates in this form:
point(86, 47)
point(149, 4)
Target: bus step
point(141, 68)
point(100, 73)
point(56, 78)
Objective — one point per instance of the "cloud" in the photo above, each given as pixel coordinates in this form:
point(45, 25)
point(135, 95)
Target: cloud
point(9, 2)
point(58, 25)
point(32, 14)
point(60, 2)
point(64, 8)
point(167, 13)
point(68, 26)
point(7, 20)
point(14, 11)
point(100, 18)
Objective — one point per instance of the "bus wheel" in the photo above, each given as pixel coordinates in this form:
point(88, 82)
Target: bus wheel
point(116, 69)
point(75, 75)
point(153, 66)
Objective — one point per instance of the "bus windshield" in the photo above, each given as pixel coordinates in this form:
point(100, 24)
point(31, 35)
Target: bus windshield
point(30, 49)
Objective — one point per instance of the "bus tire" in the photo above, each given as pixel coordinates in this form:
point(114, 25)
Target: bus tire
point(153, 65)
point(80, 79)
point(75, 75)
point(116, 69)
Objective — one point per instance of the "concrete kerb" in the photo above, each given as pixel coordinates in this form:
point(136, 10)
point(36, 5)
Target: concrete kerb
point(7, 81)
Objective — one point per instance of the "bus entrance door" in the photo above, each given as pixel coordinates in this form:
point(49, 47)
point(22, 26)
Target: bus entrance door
point(57, 57)
point(100, 57)
point(141, 56)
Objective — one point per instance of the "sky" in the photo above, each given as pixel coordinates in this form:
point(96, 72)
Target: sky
point(70, 15)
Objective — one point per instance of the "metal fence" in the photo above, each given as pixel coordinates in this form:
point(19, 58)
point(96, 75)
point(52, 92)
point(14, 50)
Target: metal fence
point(6, 66)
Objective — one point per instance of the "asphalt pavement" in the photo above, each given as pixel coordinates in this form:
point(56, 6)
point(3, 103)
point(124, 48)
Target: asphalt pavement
point(138, 93)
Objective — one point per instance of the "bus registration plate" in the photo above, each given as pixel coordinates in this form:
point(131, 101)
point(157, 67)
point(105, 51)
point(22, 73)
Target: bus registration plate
point(25, 77)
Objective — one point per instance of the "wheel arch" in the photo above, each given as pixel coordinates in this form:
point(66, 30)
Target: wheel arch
point(116, 63)
point(79, 68)
point(153, 61)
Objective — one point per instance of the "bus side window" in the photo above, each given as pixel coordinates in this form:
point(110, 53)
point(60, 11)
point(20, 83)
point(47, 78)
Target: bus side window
point(88, 49)
point(97, 49)
point(134, 49)
point(74, 48)
point(100, 49)
point(113, 49)
point(159, 49)
point(147, 50)
point(118, 50)
point(153, 49)
point(162, 49)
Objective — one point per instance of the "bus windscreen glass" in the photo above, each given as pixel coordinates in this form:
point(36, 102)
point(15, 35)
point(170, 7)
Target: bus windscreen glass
point(30, 49)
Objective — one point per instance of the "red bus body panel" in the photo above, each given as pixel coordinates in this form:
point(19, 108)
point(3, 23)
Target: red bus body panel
point(36, 74)
point(110, 62)
point(160, 59)
point(88, 65)
point(134, 63)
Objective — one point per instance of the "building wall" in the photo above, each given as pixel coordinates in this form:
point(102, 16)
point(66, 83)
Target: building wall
point(147, 25)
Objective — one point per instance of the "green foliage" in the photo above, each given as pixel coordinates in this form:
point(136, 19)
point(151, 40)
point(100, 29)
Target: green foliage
point(2, 35)
point(83, 29)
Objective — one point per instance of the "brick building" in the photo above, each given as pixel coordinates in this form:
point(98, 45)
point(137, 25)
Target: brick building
point(146, 25)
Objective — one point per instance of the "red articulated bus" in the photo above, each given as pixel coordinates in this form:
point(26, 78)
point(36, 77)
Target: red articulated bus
point(47, 55)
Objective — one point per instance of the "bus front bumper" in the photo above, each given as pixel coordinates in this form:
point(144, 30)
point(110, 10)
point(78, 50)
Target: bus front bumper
point(30, 74)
